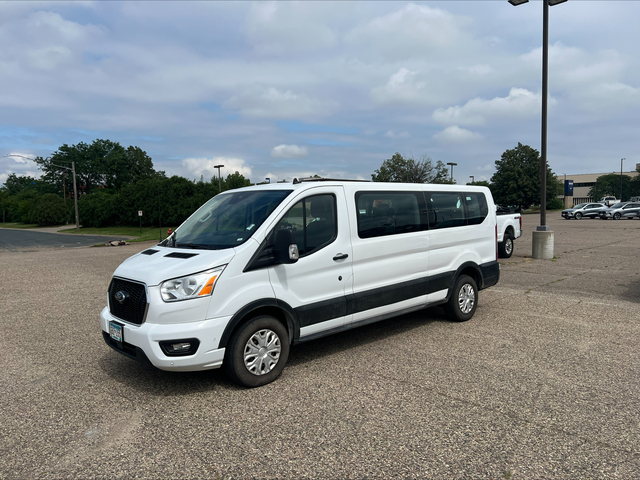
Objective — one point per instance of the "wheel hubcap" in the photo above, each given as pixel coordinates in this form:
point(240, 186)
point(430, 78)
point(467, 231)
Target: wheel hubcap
point(508, 246)
point(466, 298)
point(262, 352)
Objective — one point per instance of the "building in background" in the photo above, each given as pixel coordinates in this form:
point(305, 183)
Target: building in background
point(582, 183)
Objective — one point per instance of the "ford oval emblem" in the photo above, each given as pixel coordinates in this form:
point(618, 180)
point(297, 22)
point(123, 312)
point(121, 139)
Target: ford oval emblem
point(121, 296)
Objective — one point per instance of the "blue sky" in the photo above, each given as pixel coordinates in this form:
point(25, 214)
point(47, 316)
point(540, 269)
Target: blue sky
point(290, 89)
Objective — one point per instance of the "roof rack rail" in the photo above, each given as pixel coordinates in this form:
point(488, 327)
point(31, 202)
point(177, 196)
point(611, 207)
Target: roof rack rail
point(321, 179)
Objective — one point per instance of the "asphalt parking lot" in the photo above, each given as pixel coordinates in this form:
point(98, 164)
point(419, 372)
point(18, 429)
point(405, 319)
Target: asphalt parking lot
point(543, 382)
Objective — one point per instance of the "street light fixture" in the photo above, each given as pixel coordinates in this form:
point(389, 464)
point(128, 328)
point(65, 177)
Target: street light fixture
point(75, 189)
point(452, 165)
point(543, 227)
point(473, 179)
point(219, 177)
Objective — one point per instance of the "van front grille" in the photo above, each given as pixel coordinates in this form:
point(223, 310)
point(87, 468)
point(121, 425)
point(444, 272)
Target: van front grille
point(128, 300)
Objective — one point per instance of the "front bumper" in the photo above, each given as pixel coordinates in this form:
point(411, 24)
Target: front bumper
point(142, 342)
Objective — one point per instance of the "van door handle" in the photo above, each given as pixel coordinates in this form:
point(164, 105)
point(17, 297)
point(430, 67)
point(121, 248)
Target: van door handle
point(340, 256)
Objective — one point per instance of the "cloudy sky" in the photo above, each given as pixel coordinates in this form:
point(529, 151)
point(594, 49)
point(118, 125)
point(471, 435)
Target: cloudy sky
point(290, 89)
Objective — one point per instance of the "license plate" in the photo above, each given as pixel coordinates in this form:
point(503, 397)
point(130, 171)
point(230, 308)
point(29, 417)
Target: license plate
point(115, 331)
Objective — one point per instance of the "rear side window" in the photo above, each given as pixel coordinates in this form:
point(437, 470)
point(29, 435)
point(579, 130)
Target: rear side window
point(477, 209)
point(389, 213)
point(449, 209)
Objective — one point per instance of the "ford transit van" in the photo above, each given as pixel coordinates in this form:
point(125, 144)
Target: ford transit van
point(257, 269)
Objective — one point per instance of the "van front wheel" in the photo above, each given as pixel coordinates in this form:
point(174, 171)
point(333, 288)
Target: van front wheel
point(463, 300)
point(257, 352)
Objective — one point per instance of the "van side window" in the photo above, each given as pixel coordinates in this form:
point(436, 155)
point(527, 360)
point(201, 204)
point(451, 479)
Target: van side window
point(389, 213)
point(477, 209)
point(313, 221)
point(448, 209)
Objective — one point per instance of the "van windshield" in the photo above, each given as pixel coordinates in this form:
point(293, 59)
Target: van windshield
point(227, 220)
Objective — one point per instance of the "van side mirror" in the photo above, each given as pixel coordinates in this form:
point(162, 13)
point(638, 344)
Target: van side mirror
point(285, 249)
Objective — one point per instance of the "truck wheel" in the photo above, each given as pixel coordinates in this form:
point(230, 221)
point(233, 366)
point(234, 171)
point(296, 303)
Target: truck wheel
point(578, 216)
point(616, 216)
point(463, 300)
point(257, 352)
point(505, 248)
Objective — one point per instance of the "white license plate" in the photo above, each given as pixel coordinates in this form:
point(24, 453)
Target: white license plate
point(115, 331)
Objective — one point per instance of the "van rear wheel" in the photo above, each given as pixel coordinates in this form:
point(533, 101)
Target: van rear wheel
point(463, 301)
point(257, 352)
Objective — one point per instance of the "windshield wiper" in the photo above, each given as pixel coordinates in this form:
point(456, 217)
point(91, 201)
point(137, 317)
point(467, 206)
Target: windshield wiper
point(202, 246)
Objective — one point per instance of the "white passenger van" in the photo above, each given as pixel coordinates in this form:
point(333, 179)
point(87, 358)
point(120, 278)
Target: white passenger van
point(260, 268)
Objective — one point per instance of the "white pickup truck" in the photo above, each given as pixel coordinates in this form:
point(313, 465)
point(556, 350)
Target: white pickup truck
point(509, 228)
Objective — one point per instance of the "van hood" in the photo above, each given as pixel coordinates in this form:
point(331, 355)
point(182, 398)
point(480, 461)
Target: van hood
point(157, 264)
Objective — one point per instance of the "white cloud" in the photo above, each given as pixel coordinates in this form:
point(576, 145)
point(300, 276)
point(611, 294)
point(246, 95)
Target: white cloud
point(392, 134)
point(286, 27)
point(413, 30)
point(269, 102)
point(402, 87)
point(477, 70)
point(455, 134)
point(520, 103)
point(205, 166)
point(289, 151)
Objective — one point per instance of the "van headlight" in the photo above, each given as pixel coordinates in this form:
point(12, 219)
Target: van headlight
point(192, 286)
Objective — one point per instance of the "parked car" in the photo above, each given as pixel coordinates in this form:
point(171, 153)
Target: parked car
point(591, 210)
point(260, 268)
point(609, 201)
point(621, 210)
point(635, 199)
point(509, 228)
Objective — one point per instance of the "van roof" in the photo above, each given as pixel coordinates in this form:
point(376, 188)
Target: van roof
point(309, 182)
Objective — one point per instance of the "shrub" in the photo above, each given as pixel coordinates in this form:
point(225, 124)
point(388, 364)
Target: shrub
point(49, 209)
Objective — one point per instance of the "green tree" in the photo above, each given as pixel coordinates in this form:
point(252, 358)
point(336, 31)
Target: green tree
point(517, 178)
point(235, 180)
point(408, 170)
point(103, 163)
point(49, 209)
point(609, 185)
point(635, 184)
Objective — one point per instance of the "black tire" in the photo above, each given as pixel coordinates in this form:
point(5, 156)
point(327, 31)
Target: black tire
point(258, 328)
point(578, 216)
point(505, 248)
point(616, 216)
point(460, 307)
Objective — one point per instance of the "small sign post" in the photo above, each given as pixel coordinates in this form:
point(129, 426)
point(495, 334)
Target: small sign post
point(140, 217)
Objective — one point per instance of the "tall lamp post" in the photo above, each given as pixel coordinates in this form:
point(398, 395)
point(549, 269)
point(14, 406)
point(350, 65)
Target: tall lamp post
point(75, 189)
point(452, 165)
point(543, 243)
point(473, 179)
point(621, 160)
point(219, 177)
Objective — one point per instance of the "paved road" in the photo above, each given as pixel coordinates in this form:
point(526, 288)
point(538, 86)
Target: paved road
point(542, 383)
point(14, 240)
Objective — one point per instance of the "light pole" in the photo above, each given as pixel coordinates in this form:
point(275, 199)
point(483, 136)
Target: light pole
point(75, 189)
point(473, 179)
point(621, 160)
point(219, 178)
point(543, 248)
point(452, 165)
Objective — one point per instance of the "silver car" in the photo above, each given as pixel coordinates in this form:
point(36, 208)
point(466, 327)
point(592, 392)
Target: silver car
point(591, 210)
point(621, 210)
